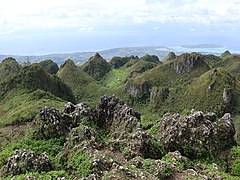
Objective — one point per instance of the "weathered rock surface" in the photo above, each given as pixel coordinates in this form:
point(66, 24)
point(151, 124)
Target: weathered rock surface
point(110, 140)
point(227, 96)
point(23, 161)
point(112, 113)
point(159, 94)
point(196, 134)
point(49, 122)
point(138, 90)
point(186, 62)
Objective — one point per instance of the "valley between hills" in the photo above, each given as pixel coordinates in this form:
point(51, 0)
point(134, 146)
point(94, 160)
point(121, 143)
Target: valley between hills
point(132, 117)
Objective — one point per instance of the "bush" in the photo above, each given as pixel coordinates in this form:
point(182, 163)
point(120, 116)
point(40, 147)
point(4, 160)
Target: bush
point(81, 164)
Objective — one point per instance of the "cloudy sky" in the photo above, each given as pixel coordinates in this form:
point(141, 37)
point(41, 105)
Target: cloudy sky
point(52, 26)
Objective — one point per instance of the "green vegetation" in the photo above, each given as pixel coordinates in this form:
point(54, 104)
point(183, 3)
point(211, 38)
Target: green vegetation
point(21, 105)
point(81, 164)
point(114, 78)
point(51, 146)
point(97, 67)
point(194, 81)
point(51, 175)
point(84, 87)
point(49, 66)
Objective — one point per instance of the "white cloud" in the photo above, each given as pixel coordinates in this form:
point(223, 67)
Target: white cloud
point(86, 29)
point(156, 28)
point(4, 33)
point(82, 14)
point(192, 30)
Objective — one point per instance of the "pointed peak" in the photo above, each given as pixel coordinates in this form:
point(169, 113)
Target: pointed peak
point(68, 62)
point(9, 59)
point(97, 55)
point(226, 53)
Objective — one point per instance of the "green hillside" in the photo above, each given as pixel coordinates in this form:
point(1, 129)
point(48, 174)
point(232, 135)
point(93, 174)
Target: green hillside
point(22, 93)
point(8, 67)
point(84, 87)
point(130, 118)
point(97, 67)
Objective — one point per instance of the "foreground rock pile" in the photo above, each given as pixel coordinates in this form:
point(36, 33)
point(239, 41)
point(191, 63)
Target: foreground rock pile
point(23, 161)
point(111, 142)
point(197, 134)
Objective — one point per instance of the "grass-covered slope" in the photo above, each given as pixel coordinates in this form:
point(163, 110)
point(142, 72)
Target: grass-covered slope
point(34, 77)
point(8, 67)
point(24, 92)
point(97, 67)
point(49, 66)
point(84, 87)
point(167, 74)
point(232, 64)
point(20, 105)
point(205, 93)
point(184, 84)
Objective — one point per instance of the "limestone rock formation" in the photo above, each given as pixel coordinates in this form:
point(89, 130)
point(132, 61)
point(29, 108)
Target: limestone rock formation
point(111, 111)
point(186, 62)
point(196, 134)
point(227, 96)
point(159, 94)
point(23, 161)
point(138, 90)
point(49, 122)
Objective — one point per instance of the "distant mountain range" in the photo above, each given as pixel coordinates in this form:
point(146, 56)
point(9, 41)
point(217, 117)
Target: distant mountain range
point(160, 51)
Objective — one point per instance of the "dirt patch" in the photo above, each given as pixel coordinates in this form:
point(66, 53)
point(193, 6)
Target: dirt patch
point(13, 133)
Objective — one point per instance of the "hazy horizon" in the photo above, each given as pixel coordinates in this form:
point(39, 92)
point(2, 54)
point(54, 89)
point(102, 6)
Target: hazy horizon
point(48, 27)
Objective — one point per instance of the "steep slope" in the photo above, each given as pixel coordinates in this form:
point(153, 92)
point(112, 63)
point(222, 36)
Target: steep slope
point(8, 67)
point(49, 66)
point(173, 74)
point(171, 56)
point(214, 91)
point(23, 93)
point(108, 142)
point(150, 58)
point(231, 63)
point(118, 62)
point(97, 67)
point(84, 87)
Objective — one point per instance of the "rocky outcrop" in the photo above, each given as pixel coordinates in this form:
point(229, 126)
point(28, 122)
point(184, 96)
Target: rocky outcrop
point(227, 96)
point(49, 122)
point(186, 62)
point(138, 90)
point(23, 161)
point(159, 94)
point(111, 112)
point(141, 67)
point(197, 134)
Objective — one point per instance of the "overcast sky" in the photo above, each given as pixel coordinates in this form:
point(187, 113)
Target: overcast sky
point(53, 26)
